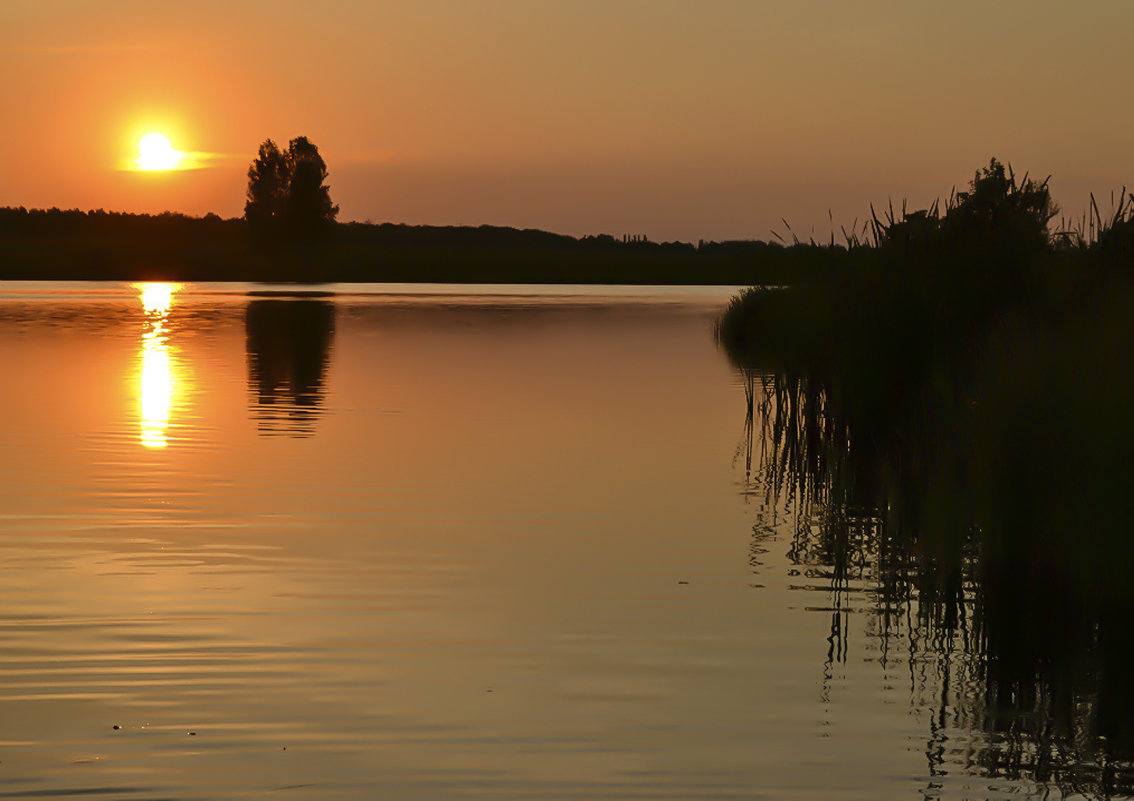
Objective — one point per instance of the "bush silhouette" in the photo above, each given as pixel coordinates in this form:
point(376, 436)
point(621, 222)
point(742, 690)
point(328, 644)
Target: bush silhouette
point(997, 210)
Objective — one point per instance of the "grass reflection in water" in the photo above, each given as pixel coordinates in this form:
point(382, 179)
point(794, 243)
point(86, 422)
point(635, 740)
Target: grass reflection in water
point(1009, 609)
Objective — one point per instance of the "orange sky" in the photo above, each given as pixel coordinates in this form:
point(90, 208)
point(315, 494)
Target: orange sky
point(670, 118)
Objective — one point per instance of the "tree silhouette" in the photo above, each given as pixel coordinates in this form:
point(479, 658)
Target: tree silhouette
point(307, 207)
point(267, 186)
point(287, 194)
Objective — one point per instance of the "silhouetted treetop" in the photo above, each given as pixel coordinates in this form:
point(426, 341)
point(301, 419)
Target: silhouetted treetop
point(287, 192)
point(267, 186)
point(307, 204)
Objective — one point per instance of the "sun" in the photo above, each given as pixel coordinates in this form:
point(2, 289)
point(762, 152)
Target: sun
point(156, 153)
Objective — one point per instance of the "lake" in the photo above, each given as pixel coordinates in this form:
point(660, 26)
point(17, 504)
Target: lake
point(432, 542)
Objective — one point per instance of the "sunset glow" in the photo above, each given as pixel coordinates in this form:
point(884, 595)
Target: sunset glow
point(697, 121)
point(547, 399)
point(156, 152)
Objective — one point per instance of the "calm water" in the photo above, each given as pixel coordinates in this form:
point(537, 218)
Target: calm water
point(430, 543)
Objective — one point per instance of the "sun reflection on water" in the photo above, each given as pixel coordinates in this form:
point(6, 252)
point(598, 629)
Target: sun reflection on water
point(158, 383)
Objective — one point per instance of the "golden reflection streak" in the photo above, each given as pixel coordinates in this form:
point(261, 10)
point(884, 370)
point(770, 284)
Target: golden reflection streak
point(158, 384)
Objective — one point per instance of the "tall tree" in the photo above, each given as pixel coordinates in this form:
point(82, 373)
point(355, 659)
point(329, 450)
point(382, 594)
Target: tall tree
point(307, 207)
point(287, 191)
point(267, 186)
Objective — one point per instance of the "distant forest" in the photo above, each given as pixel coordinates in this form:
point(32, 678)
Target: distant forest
point(57, 244)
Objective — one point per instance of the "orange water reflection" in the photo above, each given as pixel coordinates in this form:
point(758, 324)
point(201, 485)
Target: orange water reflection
point(466, 575)
point(158, 383)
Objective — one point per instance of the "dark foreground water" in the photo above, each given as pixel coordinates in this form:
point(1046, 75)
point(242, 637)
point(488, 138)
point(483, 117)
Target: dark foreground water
point(444, 542)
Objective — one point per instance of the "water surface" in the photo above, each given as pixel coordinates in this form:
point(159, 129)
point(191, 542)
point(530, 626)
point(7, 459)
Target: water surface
point(428, 543)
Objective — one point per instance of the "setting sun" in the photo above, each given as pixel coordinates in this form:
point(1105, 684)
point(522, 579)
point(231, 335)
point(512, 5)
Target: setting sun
point(155, 152)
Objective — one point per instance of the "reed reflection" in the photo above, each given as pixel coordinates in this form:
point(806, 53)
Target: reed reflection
point(1019, 647)
point(157, 385)
point(289, 343)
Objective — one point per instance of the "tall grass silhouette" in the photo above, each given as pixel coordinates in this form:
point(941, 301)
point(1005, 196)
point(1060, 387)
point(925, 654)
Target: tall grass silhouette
point(951, 417)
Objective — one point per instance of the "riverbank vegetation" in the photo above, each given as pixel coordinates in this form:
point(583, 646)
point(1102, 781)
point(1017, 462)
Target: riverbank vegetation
point(953, 412)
